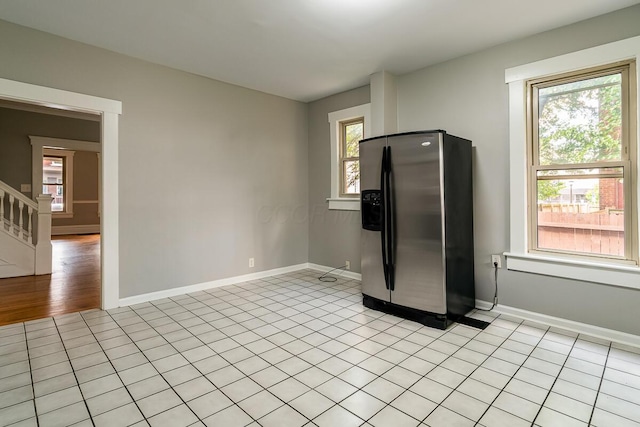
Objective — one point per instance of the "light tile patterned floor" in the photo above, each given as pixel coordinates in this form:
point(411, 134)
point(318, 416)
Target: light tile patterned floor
point(292, 351)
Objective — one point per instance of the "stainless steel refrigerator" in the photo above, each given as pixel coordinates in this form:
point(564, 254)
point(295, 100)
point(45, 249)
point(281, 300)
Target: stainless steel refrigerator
point(417, 226)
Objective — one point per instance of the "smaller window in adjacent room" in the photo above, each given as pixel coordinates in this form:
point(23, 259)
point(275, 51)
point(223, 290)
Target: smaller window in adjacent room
point(53, 181)
point(582, 163)
point(57, 180)
point(351, 132)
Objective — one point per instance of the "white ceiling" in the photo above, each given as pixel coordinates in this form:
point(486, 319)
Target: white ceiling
point(299, 49)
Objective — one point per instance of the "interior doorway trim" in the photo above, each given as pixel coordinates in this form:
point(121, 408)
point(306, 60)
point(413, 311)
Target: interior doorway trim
point(109, 110)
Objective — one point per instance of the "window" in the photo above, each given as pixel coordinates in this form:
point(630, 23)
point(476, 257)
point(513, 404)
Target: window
point(351, 132)
point(53, 181)
point(573, 135)
point(57, 180)
point(347, 128)
point(580, 167)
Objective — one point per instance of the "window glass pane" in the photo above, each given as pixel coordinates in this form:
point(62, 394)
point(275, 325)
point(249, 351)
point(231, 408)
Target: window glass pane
point(52, 173)
point(351, 176)
point(580, 122)
point(582, 214)
point(353, 133)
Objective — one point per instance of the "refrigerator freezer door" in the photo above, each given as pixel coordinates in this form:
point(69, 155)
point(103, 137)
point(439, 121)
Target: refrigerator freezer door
point(418, 222)
point(373, 283)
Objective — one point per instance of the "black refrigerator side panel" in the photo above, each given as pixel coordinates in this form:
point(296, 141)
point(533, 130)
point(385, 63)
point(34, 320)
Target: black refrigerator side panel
point(458, 206)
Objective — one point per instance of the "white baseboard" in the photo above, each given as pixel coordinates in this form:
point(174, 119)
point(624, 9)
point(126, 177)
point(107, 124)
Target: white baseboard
point(11, 270)
point(583, 328)
point(60, 230)
point(337, 272)
point(152, 296)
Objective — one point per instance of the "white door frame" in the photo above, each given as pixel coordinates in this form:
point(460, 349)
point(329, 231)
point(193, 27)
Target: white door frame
point(109, 110)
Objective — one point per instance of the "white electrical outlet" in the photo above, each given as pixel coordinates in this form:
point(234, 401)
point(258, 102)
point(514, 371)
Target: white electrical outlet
point(348, 265)
point(251, 263)
point(496, 259)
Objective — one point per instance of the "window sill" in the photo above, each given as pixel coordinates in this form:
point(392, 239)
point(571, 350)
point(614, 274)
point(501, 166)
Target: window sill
point(344, 204)
point(61, 215)
point(596, 272)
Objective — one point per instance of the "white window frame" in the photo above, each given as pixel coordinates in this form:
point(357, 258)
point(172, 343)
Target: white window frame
point(519, 258)
point(336, 201)
point(40, 145)
point(67, 195)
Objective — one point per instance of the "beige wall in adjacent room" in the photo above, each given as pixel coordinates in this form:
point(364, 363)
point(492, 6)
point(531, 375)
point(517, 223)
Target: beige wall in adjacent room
point(15, 147)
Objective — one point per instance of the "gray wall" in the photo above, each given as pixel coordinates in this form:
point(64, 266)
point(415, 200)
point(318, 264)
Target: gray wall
point(468, 97)
point(210, 173)
point(334, 236)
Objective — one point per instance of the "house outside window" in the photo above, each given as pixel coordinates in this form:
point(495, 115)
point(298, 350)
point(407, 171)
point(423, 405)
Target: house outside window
point(580, 167)
point(57, 180)
point(351, 132)
point(574, 194)
point(53, 181)
point(347, 128)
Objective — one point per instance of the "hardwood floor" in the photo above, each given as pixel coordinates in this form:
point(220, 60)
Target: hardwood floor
point(74, 284)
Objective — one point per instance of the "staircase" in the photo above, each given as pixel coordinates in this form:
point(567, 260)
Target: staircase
point(25, 233)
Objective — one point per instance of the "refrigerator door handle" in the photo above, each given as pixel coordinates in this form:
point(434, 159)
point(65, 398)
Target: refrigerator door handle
point(383, 225)
point(390, 223)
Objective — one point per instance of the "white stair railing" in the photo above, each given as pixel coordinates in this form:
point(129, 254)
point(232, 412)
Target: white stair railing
point(17, 222)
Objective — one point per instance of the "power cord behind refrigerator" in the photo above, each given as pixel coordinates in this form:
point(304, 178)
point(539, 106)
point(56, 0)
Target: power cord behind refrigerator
point(325, 278)
point(495, 296)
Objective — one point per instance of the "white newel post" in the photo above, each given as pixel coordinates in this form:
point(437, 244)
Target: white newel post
point(43, 246)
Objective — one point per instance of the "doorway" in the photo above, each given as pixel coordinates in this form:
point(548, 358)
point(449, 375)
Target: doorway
point(109, 111)
point(66, 170)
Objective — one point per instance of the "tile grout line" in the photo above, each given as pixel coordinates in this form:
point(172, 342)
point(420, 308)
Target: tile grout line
point(573, 345)
point(469, 376)
point(220, 354)
point(616, 397)
point(604, 369)
point(276, 292)
point(114, 369)
point(379, 331)
point(190, 297)
point(151, 363)
point(73, 370)
point(369, 356)
point(296, 338)
point(194, 336)
point(151, 327)
point(265, 338)
point(33, 390)
point(425, 376)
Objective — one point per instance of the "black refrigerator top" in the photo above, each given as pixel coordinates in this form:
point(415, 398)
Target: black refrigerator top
point(415, 132)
